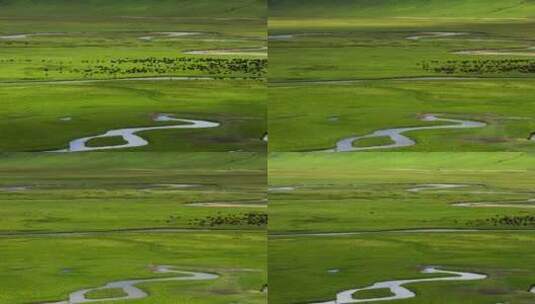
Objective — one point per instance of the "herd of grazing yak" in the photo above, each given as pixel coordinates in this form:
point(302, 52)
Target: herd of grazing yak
point(248, 68)
point(480, 66)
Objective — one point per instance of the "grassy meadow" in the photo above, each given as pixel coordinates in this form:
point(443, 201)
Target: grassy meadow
point(57, 265)
point(320, 115)
point(89, 48)
point(299, 266)
point(362, 66)
point(136, 8)
point(111, 191)
point(46, 117)
point(349, 220)
point(74, 221)
point(375, 191)
point(193, 59)
point(408, 8)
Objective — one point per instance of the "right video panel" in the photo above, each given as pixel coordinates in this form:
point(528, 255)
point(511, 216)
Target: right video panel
point(422, 227)
point(400, 76)
point(398, 169)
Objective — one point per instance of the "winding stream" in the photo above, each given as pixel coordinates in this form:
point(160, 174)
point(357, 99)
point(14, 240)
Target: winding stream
point(256, 204)
point(27, 35)
point(129, 286)
point(435, 35)
point(435, 187)
point(398, 290)
point(259, 52)
point(133, 140)
point(397, 137)
point(530, 203)
point(281, 189)
point(169, 35)
point(530, 52)
point(280, 37)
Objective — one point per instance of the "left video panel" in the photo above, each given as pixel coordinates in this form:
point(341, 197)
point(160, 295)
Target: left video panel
point(120, 76)
point(150, 227)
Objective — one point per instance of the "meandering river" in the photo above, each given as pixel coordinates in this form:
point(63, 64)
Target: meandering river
point(131, 138)
point(396, 134)
point(397, 288)
point(130, 289)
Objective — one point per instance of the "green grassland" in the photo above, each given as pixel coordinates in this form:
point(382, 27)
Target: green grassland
point(54, 266)
point(32, 113)
point(413, 8)
point(112, 191)
point(101, 47)
point(136, 8)
point(46, 47)
point(354, 219)
point(381, 64)
point(75, 221)
point(349, 220)
point(370, 191)
point(120, 53)
point(298, 268)
point(337, 49)
point(301, 116)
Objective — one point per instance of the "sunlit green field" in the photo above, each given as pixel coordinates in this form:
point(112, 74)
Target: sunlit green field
point(408, 8)
point(55, 266)
point(74, 221)
point(345, 221)
point(112, 191)
point(68, 73)
point(46, 117)
point(299, 267)
point(362, 66)
point(116, 47)
point(308, 118)
point(375, 191)
point(366, 48)
point(76, 39)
